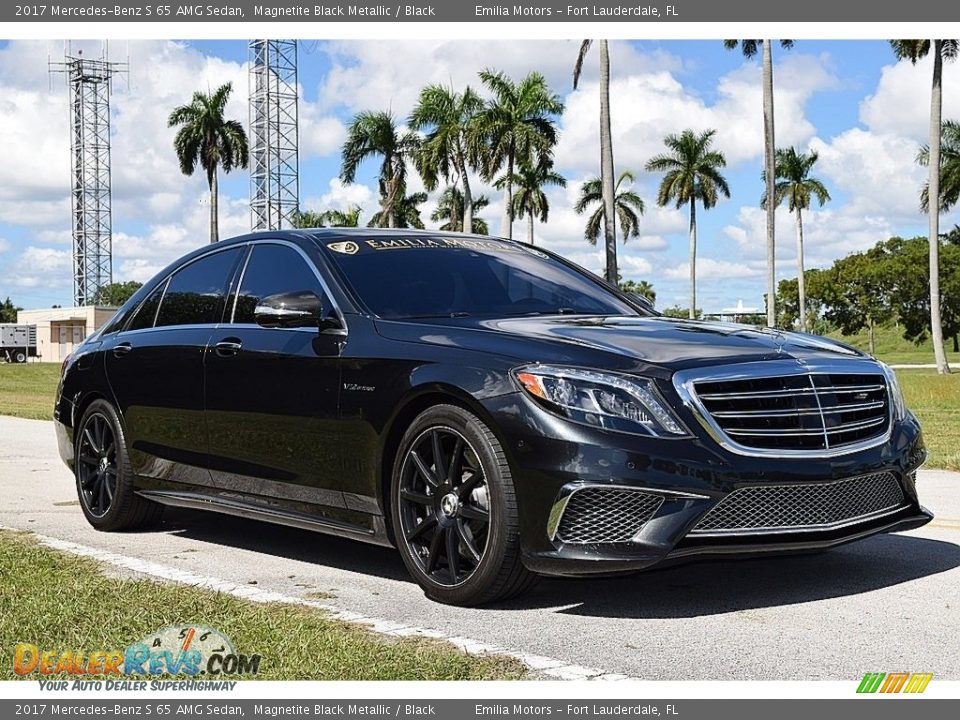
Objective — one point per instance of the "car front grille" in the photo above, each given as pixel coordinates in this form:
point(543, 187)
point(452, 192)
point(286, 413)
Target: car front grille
point(606, 515)
point(803, 507)
point(811, 412)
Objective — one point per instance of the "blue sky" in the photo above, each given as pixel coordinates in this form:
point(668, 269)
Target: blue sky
point(848, 100)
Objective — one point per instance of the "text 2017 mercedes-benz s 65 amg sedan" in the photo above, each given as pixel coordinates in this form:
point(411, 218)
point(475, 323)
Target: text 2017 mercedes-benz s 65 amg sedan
point(490, 409)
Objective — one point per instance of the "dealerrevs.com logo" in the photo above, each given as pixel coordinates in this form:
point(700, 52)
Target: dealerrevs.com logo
point(192, 650)
point(897, 682)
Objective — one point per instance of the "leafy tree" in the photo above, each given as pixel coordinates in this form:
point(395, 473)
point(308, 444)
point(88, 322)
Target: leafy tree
point(681, 313)
point(627, 205)
point(344, 218)
point(206, 138)
point(607, 184)
point(749, 48)
point(406, 213)
point(517, 127)
point(788, 306)
point(309, 219)
point(639, 287)
point(375, 134)
point(450, 211)
point(449, 149)
point(692, 173)
point(914, 50)
point(116, 294)
point(949, 167)
point(796, 186)
point(8, 311)
point(529, 199)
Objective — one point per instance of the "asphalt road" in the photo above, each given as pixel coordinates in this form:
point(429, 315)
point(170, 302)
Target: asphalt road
point(884, 604)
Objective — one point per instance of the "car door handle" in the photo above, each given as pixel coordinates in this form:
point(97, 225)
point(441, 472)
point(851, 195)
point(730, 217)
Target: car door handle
point(122, 349)
point(228, 347)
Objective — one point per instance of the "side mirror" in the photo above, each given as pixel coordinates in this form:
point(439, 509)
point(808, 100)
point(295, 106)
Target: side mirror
point(302, 308)
point(644, 302)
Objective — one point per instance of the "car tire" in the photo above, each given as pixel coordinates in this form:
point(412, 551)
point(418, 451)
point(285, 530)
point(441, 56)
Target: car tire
point(451, 504)
point(103, 475)
point(19, 357)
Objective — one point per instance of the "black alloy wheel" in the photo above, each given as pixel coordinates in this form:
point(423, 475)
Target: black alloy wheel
point(97, 464)
point(444, 506)
point(104, 477)
point(454, 511)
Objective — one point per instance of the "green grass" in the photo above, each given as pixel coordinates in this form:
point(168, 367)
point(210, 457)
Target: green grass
point(60, 602)
point(892, 348)
point(28, 390)
point(935, 400)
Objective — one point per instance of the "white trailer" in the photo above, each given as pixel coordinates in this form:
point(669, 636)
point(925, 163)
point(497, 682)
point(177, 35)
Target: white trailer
point(17, 342)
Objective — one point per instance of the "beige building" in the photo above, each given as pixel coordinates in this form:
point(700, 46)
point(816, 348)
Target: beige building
point(59, 330)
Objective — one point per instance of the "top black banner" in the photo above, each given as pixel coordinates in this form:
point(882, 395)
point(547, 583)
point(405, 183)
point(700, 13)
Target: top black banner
point(472, 11)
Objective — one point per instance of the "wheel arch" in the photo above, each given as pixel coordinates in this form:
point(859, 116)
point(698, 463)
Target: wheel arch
point(420, 399)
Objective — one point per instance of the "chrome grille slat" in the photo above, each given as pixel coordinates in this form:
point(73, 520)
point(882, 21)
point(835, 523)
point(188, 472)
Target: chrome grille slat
point(798, 412)
point(761, 509)
point(599, 514)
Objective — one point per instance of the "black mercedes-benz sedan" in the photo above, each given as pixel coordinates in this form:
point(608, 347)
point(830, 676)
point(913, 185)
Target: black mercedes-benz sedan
point(490, 409)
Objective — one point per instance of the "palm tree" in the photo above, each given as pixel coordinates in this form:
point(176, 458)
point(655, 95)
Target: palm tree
point(914, 50)
point(627, 206)
point(949, 167)
point(795, 185)
point(373, 134)
point(692, 173)
point(308, 219)
point(529, 199)
point(406, 213)
point(517, 128)
point(449, 149)
point(606, 154)
point(344, 218)
point(450, 210)
point(643, 288)
point(749, 49)
point(207, 138)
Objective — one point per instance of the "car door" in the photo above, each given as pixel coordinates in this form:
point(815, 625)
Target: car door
point(272, 393)
point(155, 368)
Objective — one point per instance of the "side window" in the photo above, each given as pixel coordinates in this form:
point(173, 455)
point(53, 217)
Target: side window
point(147, 311)
point(195, 294)
point(272, 269)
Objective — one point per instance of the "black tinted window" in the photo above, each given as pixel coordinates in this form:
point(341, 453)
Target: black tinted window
point(272, 269)
point(423, 276)
point(147, 311)
point(195, 293)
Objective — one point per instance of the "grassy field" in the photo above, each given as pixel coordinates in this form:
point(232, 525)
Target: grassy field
point(892, 348)
point(27, 391)
point(61, 602)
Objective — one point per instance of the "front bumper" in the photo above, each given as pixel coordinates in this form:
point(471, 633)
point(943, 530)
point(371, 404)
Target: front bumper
point(552, 458)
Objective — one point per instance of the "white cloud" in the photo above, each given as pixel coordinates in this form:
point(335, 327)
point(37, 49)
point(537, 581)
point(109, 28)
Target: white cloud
point(709, 269)
point(41, 267)
point(4, 245)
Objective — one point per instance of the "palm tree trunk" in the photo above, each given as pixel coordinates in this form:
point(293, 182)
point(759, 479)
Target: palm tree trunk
point(389, 203)
point(214, 209)
point(801, 280)
point(530, 228)
point(506, 229)
point(936, 113)
point(467, 197)
point(693, 259)
point(769, 151)
point(606, 168)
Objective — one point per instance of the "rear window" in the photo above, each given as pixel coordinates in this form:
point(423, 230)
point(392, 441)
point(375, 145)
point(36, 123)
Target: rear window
point(405, 278)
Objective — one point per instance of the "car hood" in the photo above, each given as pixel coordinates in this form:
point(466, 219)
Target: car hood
point(647, 341)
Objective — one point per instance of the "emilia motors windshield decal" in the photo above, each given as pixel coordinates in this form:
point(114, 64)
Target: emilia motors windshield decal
point(194, 651)
point(442, 243)
point(896, 682)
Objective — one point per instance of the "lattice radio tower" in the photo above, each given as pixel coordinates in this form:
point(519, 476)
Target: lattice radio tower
point(90, 81)
point(274, 134)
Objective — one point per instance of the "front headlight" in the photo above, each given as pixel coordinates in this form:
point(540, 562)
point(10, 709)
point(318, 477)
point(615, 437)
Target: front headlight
point(603, 400)
point(897, 405)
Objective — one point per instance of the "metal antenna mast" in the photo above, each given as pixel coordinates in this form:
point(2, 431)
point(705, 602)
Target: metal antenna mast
point(274, 133)
point(90, 82)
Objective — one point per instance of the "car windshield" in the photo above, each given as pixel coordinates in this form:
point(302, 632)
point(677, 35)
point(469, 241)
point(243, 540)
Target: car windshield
point(401, 278)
